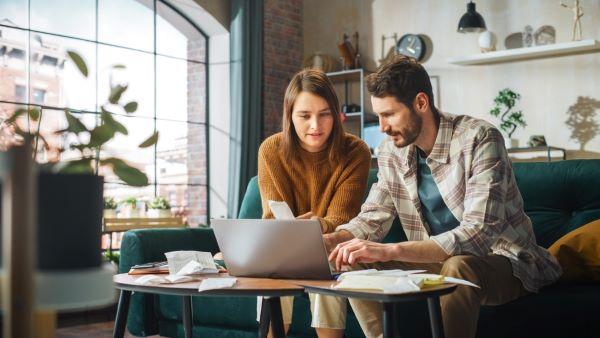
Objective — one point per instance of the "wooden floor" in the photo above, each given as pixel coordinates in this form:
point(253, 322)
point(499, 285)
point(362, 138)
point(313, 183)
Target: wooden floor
point(96, 330)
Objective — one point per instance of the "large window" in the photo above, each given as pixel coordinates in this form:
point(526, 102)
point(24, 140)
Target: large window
point(164, 56)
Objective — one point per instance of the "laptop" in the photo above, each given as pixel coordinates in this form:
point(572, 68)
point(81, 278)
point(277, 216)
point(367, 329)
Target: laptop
point(269, 248)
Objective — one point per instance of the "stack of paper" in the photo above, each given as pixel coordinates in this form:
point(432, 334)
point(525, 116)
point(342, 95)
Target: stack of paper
point(169, 279)
point(393, 281)
point(188, 263)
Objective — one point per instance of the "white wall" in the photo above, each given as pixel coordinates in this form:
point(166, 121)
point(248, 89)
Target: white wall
point(548, 87)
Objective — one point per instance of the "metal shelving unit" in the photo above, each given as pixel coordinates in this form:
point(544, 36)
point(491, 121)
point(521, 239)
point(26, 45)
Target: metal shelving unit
point(346, 77)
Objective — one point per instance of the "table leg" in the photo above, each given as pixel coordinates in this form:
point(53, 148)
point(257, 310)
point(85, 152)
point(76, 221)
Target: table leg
point(265, 319)
point(44, 323)
point(122, 312)
point(276, 317)
point(186, 302)
point(390, 328)
point(435, 317)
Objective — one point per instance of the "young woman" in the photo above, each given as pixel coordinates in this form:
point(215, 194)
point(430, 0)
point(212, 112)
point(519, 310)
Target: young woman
point(319, 171)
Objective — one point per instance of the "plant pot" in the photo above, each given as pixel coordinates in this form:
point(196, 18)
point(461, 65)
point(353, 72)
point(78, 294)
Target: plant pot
point(511, 142)
point(128, 212)
point(158, 213)
point(70, 221)
point(110, 213)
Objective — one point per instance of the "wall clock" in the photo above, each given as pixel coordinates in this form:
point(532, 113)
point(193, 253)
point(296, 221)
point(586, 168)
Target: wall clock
point(412, 45)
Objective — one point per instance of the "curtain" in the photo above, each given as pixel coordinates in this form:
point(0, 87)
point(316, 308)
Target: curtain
point(246, 97)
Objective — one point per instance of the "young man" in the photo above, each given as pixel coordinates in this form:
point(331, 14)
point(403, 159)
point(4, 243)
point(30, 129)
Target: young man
point(449, 180)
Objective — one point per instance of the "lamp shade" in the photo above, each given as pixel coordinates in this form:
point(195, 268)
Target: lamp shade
point(471, 21)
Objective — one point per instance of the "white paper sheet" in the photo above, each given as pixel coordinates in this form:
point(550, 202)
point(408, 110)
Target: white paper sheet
point(393, 281)
point(281, 210)
point(374, 272)
point(217, 283)
point(190, 262)
point(169, 279)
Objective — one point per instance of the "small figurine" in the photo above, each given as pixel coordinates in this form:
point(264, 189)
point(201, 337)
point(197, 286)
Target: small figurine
point(527, 36)
point(577, 14)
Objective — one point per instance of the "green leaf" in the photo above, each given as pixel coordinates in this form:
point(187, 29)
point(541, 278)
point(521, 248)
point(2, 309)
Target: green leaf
point(110, 121)
point(78, 60)
point(131, 107)
point(150, 141)
point(130, 175)
point(16, 115)
point(111, 161)
point(34, 114)
point(75, 125)
point(81, 166)
point(115, 93)
point(100, 135)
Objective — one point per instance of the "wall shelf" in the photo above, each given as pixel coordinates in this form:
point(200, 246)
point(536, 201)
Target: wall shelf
point(528, 53)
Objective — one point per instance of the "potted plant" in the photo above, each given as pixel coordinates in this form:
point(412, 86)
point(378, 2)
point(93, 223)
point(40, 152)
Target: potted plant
point(159, 207)
point(110, 207)
point(510, 119)
point(70, 193)
point(129, 208)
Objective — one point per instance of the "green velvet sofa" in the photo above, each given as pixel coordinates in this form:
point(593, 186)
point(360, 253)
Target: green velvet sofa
point(559, 197)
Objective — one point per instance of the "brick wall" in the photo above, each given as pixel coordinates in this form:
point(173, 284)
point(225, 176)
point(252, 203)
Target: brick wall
point(282, 56)
point(196, 136)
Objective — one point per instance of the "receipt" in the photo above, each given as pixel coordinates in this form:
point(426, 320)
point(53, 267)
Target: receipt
point(281, 210)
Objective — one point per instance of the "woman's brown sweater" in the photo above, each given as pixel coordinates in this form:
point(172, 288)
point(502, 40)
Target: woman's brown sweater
point(310, 182)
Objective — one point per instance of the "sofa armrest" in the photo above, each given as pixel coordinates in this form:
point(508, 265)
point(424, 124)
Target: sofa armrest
point(150, 245)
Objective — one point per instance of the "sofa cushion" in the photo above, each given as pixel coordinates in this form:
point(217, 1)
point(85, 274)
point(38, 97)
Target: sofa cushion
point(559, 197)
point(251, 207)
point(578, 252)
point(558, 310)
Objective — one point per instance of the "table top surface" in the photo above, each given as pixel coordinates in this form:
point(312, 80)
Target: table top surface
point(247, 286)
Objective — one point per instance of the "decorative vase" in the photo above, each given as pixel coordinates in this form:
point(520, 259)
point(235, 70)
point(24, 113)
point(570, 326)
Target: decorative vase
point(158, 213)
point(511, 142)
point(527, 36)
point(487, 41)
point(110, 213)
point(129, 212)
point(317, 61)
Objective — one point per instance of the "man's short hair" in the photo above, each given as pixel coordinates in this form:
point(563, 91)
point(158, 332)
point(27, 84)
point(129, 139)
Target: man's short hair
point(403, 78)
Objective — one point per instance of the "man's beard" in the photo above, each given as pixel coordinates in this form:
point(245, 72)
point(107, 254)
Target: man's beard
point(411, 132)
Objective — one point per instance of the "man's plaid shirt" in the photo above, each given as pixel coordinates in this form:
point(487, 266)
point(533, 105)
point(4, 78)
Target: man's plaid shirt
point(471, 168)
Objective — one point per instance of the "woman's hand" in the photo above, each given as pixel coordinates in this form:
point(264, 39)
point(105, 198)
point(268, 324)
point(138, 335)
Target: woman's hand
point(218, 255)
point(308, 215)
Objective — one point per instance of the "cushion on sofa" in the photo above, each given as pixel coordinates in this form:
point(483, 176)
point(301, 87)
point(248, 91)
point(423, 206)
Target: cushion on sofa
point(578, 252)
point(560, 196)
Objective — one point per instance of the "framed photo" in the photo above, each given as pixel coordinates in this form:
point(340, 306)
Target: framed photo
point(435, 86)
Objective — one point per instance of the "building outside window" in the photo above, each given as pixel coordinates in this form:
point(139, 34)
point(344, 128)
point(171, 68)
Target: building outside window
point(164, 56)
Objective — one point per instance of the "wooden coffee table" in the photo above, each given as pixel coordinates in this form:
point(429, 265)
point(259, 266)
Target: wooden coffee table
point(270, 289)
point(390, 302)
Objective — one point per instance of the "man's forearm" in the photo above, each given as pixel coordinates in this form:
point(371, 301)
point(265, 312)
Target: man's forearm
point(419, 252)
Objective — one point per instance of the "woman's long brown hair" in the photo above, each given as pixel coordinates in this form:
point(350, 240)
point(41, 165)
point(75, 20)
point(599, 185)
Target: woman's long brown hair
point(315, 82)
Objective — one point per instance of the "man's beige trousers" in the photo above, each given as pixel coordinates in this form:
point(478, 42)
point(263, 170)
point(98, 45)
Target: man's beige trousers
point(460, 309)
